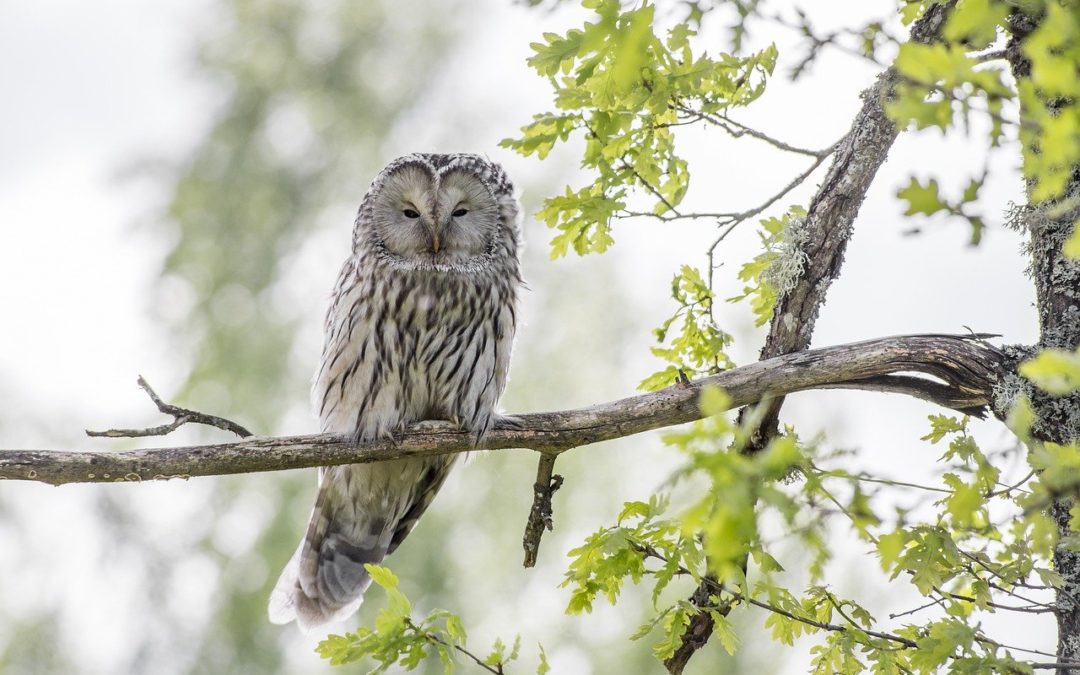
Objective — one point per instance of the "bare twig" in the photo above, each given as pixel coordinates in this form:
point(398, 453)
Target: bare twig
point(932, 603)
point(831, 39)
point(541, 512)
point(669, 217)
point(1038, 608)
point(181, 416)
point(737, 130)
point(986, 57)
point(729, 221)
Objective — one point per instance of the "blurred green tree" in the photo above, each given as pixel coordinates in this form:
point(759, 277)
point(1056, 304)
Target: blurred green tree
point(309, 93)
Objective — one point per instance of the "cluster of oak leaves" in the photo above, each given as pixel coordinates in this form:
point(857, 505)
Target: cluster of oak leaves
point(622, 87)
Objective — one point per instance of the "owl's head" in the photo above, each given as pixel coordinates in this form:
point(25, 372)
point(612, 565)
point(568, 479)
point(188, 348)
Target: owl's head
point(439, 212)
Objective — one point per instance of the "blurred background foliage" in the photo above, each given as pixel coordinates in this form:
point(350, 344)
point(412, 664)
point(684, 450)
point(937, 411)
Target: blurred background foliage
point(303, 113)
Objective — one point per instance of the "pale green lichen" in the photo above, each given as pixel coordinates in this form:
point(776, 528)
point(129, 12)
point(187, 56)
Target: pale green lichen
point(1056, 417)
point(1048, 225)
point(1009, 390)
point(1062, 335)
point(789, 258)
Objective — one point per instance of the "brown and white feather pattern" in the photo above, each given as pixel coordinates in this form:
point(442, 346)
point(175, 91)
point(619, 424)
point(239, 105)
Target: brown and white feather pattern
point(411, 334)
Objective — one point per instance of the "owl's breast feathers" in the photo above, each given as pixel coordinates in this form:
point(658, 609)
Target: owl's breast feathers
point(408, 345)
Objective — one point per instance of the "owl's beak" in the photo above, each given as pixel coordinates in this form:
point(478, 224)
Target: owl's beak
point(434, 230)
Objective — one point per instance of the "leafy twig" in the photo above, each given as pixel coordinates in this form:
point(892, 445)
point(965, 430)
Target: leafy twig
point(496, 669)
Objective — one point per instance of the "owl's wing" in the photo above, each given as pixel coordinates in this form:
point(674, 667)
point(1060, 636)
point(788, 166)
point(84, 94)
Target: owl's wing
point(423, 494)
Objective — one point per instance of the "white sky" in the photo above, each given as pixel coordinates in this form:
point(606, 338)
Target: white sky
point(88, 87)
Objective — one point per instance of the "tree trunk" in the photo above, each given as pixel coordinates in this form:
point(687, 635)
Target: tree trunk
point(1057, 290)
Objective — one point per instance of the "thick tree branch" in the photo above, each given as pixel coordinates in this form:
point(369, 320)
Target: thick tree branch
point(967, 366)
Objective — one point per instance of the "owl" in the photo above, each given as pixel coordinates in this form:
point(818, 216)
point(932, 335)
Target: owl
point(420, 327)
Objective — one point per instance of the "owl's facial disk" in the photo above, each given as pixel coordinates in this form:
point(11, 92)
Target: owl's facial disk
point(443, 220)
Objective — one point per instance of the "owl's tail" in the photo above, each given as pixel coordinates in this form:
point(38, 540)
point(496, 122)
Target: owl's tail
point(325, 580)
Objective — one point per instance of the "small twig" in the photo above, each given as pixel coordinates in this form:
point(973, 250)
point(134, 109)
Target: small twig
point(540, 515)
point(1008, 489)
point(831, 39)
point(730, 221)
point(649, 186)
point(181, 416)
point(738, 130)
point(1031, 609)
point(863, 478)
point(666, 218)
point(986, 57)
point(935, 601)
point(794, 183)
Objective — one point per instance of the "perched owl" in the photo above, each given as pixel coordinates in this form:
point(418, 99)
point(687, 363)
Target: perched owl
point(420, 327)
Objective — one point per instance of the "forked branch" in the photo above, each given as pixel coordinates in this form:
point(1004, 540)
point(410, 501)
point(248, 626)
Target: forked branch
point(181, 416)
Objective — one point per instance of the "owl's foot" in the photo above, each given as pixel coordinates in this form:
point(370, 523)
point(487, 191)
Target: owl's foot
point(389, 436)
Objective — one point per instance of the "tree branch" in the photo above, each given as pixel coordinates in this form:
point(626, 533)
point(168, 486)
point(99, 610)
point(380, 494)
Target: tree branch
point(967, 366)
point(181, 416)
point(1056, 279)
point(541, 513)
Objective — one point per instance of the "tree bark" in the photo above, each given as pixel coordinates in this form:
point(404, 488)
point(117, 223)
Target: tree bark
point(968, 369)
point(1057, 292)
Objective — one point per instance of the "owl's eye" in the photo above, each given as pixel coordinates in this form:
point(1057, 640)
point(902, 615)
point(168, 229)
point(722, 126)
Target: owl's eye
point(409, 213)
point(459, 213)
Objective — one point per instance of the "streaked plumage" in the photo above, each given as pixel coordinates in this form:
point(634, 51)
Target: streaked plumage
point(420, 327)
